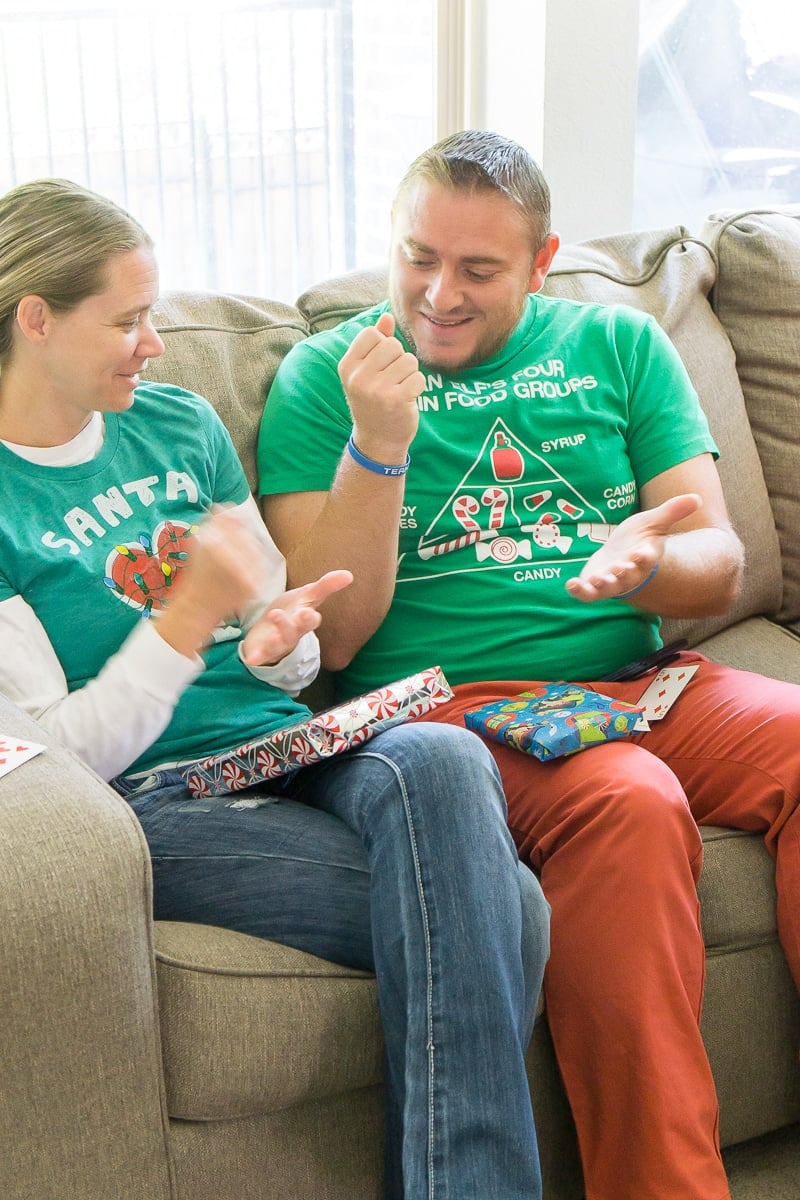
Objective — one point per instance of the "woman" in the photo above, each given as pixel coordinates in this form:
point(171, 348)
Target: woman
point(146, 629)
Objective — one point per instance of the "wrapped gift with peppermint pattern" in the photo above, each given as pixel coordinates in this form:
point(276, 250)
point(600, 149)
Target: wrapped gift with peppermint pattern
point(319, 736)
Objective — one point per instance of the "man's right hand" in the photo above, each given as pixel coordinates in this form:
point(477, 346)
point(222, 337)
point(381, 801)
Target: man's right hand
point(382, 381)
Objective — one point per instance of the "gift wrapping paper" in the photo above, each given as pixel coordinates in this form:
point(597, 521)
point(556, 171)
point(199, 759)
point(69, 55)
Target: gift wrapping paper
point(318, 737)
point(555, 719)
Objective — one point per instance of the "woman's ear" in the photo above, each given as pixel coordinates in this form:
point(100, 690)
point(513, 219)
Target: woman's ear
point(32, 317)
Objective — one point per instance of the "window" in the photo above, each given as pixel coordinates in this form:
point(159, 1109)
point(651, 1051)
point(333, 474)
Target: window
point(259, 143)
point(719, 108)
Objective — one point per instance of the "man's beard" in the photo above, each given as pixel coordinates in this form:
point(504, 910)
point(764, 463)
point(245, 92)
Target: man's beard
point(481, 354)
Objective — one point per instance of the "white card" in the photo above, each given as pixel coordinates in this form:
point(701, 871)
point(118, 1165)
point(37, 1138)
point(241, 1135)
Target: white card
point(14, 752)
point(662, 693)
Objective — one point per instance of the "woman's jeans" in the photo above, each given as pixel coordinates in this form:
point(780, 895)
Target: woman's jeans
point(393, 857)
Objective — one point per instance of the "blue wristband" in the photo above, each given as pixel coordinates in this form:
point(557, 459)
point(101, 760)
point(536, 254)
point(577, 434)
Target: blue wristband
point(648, 579)
point(376, 467)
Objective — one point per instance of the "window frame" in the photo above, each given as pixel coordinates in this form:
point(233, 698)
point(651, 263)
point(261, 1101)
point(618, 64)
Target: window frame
point(564, 85)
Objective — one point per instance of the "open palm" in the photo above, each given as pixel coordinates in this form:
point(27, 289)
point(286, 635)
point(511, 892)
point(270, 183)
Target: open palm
point(635, 546)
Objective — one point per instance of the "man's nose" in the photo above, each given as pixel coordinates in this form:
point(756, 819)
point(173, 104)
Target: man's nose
point(444, 292)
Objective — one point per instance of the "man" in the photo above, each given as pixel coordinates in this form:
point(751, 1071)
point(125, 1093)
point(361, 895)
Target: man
point(523, 414)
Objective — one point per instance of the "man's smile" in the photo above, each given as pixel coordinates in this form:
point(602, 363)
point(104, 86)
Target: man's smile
point(445, 323)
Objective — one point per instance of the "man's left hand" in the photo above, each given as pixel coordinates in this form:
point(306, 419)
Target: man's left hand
point(634, 548)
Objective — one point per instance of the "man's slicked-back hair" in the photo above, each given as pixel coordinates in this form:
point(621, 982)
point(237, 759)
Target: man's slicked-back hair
point(478, 160)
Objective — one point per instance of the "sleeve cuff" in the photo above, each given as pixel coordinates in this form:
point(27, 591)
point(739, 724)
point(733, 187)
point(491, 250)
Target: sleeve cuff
point(165, 672)
point(295, 671)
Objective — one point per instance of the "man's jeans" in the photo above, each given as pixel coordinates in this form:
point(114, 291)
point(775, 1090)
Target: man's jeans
point(393, 857)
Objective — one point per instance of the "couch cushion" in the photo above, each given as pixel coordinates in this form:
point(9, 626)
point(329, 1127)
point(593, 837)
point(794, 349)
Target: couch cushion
point(81, 1098)
point(751, 1012)
point(226, 348)
point(736, 917)
point(759, 645)
point(249, 1026)
point(757, 298)
point(669, 274)
point(334, 300)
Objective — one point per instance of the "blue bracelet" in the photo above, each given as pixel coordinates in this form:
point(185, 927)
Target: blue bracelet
point(376, 467)
point(639, 586)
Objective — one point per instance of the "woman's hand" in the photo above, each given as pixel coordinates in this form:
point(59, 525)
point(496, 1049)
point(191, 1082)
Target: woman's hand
point(278, 630)
point(225, 574)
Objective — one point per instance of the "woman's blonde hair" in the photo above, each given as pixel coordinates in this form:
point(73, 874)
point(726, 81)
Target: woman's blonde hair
point(56, 239)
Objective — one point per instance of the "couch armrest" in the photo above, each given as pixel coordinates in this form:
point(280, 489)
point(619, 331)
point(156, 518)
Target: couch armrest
point(82, 1112)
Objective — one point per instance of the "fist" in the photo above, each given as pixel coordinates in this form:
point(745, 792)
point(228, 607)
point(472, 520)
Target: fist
point(381, 383)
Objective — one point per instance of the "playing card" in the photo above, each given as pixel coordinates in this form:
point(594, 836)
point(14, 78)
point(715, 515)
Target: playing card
point(664, 690)
point(13, 752)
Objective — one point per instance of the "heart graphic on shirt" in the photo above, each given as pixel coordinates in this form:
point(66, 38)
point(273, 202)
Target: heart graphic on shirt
point(141, 573)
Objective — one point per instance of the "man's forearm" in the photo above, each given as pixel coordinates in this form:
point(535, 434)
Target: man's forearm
point(354, 526)
point(699, 575)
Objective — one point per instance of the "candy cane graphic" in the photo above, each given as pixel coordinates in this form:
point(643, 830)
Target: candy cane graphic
point(464, 510)
point(468, 539)
point(498, 499)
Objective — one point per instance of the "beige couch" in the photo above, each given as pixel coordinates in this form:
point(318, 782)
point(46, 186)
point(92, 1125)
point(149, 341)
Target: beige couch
point(144, 1061)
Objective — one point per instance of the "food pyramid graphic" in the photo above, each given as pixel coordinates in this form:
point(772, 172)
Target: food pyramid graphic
point(510, 506)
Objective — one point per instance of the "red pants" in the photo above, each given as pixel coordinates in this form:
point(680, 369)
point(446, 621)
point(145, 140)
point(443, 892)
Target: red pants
point(613, 834)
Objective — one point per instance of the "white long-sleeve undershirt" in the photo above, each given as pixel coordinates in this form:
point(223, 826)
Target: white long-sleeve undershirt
point(114, 718)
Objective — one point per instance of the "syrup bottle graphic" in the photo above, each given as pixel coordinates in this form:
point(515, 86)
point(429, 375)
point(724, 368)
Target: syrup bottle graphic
point(507, 463)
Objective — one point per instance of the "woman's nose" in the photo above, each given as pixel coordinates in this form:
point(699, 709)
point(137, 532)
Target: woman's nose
point(150, 343)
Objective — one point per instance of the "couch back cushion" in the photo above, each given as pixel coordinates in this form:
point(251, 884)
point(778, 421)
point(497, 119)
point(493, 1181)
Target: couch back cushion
point(326, 304)
point(669, 274)
point(226, 348)
point(757, 299)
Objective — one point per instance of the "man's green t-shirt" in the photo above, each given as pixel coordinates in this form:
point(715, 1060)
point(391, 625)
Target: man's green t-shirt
point(517, 470)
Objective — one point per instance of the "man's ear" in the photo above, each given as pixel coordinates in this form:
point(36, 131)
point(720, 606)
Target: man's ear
point(33, 315)
point(542, 262)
